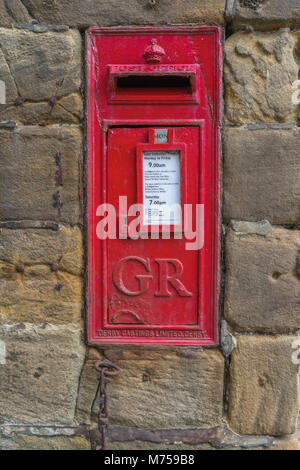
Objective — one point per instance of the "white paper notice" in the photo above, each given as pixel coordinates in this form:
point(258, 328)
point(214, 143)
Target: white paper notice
point(162, 187)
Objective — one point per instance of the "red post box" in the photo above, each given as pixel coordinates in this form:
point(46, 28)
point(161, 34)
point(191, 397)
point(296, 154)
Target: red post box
point(153, 185)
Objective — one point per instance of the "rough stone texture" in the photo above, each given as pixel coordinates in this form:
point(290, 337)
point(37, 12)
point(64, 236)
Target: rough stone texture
point(31, 66)
point(259, 71)
point(154, 382)
point(263, 392)
point(44, 437)
point(13, 11)
point(267, 14)
point(28, 173)
point(287, 443)
point(32, 296)
point(38, 383)
point(262, 282)
point(113, 12)
point(27, 442)
point(262, 175)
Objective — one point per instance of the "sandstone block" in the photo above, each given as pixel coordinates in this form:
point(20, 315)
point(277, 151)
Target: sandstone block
point(267, 14)
point(39, 380)
point(259, 71)
point(49, 286)
point(29, 183)
point(158, 390)
point(13, 11)
point(262, 175)
point(262, 282)
point(263, 392)
point(36, 68)
point(28, 442)
point(113, 12)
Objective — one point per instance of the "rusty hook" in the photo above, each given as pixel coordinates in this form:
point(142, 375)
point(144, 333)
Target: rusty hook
point(105, 365)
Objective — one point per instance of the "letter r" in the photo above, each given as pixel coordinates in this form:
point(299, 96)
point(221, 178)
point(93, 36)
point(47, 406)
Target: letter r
point(164, 278)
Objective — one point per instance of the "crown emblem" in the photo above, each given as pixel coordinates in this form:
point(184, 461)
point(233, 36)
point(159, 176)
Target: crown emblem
point(153, 54)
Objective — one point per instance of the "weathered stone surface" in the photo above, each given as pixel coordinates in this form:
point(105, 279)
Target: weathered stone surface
point(267, 14)
point(113, 12)
point(158, 390)
point(262, 285)
point(41, 437)
point(259, 71)
point(38, 383)
point(33, 295)
point(262, 175)
point(287, 443)
point(36, 67)
point(27, 442)
point(13, 11)
point(263, 392)
point(67, 110)
point(28, 183)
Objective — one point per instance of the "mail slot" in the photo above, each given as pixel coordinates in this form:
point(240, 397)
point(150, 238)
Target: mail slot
point(153, 185)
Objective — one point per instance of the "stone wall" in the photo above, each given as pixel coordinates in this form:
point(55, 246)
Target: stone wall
point(243, 394)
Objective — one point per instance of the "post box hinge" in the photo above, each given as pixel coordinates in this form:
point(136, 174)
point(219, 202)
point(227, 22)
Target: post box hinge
point(107, 370)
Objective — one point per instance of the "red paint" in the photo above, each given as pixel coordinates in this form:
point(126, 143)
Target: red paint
point(153, 291)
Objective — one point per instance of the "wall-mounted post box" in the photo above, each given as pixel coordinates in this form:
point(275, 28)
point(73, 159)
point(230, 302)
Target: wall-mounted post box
point(153, 185)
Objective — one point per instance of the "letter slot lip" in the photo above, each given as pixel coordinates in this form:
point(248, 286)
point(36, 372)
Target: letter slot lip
point(162, 90)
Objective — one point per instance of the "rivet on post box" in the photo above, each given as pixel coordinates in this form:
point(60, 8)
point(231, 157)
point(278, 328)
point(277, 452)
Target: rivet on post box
point(153, 185)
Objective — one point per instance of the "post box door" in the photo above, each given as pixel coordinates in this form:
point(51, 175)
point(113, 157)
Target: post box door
point(153, 138)
point(153, 283)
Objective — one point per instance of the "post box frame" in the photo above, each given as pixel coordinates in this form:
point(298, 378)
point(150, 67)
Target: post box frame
point(97, 127)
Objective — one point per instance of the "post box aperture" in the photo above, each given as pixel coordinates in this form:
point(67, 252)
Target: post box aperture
point(153, 185)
